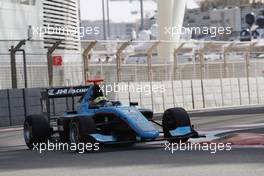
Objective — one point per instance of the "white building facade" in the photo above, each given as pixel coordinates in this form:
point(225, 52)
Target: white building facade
point(61, 16)
point(44, 22)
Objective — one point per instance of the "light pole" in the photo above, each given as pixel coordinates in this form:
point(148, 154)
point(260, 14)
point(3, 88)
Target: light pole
point(108, 19)
point(103, 13)
point(142, 15)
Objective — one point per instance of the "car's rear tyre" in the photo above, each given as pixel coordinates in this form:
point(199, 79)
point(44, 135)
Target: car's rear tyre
point(63, 125)
point(173, 118)
point(80, 128)
point(36, 130)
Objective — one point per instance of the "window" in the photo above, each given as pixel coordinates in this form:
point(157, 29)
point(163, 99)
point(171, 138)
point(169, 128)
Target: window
point(27, 2)
point(24, 2)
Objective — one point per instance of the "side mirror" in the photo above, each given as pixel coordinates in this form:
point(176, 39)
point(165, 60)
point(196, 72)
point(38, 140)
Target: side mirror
point(133, 103)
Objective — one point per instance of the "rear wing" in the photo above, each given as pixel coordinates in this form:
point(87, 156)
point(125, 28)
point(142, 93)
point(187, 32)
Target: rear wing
point(48, 104)
point(67, 91)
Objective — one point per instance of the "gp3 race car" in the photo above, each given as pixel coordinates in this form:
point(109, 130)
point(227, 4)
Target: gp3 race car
point(104, 121)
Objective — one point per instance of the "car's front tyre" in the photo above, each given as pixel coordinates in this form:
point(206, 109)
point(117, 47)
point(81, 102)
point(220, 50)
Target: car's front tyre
point(173, 118)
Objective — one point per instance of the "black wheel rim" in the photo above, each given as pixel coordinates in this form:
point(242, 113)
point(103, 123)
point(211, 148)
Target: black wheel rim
point(74, 134)
point(27, 132)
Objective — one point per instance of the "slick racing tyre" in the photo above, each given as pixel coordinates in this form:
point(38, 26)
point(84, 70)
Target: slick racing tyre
point(80, 128)
point(36, 130)
point(63, 125)
point(173, 118)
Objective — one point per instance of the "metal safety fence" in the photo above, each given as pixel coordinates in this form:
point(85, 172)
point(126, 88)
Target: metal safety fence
point(194, 75)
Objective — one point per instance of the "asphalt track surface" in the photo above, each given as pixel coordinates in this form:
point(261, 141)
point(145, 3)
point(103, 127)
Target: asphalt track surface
point(142, 159)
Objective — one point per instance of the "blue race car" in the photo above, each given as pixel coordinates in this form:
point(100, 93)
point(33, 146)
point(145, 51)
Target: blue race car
point(96, 119)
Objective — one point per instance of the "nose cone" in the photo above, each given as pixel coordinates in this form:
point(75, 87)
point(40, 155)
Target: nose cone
point(150, 134)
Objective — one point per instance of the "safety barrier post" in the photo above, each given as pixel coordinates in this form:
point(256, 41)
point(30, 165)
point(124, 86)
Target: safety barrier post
point(86, 60)
point(163, 100)
point(25, 102)
point(192, 92)
point(239, 91)
point(9, 108)
point(202, 74)
point(225, 51)
point(13, 51)
point(129, 93)
point(247, 75)
point(118, 59)
point(175, 69)
point(149, 62)
point(222, 91)
point(226, 75)
point(50, 61)
point(257, 89)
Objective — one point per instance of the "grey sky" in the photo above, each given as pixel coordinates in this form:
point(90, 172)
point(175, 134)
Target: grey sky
point(119, 11)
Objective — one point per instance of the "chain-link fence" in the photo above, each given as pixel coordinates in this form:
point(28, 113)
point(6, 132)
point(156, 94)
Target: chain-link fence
point(193, 75)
